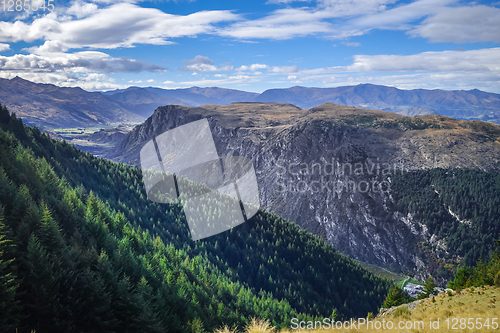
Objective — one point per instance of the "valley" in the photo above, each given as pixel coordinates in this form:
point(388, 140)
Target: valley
point(407, 197)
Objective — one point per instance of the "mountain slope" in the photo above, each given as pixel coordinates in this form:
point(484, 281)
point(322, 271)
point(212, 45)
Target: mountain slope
point(48, 106)
point(111, 260)
point(324, 167)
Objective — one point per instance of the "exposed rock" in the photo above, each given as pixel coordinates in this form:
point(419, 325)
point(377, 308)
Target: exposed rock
point(329, 168)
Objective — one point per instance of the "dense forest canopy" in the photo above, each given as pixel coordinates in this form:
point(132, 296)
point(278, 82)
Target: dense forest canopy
point(459, 206)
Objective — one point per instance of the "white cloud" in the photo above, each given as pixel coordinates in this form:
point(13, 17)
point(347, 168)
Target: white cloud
point(461, 25)
point(203, 64)
point(4, 47)
point(253, 67)
point(284, 69)
point(483, 60)
point(78, 62)
point(82, 9)
point(295, 22)
point(231, 80)
point(118, 25)
point(457, 69)
point(87, 81)
point(352, 44)
point(400, 17)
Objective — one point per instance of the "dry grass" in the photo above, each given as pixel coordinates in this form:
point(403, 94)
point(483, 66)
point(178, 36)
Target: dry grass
point(259, 326)
point(225, 329)
point(468, 303)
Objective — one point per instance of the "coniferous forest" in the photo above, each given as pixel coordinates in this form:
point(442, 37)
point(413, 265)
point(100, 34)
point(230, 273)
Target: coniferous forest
point(83, 250)
point(461, 206)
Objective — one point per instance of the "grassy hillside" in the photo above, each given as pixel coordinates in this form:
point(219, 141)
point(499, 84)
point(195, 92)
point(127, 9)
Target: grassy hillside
point(82, 249)
point(478, 304)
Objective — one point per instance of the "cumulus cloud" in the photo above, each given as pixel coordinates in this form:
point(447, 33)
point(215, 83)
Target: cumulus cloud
point(203, 64)
point(82, 9)
point(4, 47)
point(78, 62)
point(87, 81)
point(118, 25)
point(253, 67)
point(273, 2)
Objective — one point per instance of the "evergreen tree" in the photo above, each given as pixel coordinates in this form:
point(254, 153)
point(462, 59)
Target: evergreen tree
point(8, 285)
point(429, 288)
point(396, 296)
point(461, 277)
point(4, 115)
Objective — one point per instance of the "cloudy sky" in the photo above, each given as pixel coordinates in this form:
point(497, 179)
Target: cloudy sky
point(253, 45)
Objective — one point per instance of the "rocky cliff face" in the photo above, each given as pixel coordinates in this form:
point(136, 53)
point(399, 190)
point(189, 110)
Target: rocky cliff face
point(329, 168)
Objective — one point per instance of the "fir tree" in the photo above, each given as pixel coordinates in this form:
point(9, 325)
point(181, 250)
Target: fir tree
point(396, 297)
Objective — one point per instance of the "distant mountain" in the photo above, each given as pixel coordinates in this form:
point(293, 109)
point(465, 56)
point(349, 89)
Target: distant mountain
point(459, 104)
point(48, 106)
point(193, 96)
point(142, 101)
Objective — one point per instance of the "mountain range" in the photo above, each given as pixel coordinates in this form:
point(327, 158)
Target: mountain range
point(472, 104)
point(48, 106)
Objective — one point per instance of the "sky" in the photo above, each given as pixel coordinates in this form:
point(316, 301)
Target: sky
point(252, 45)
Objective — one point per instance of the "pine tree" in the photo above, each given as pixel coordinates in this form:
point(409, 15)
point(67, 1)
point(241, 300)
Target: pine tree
point(461, 277)
point(429, 288)
point(4, 115)
point(8, 285)
point(396, 297)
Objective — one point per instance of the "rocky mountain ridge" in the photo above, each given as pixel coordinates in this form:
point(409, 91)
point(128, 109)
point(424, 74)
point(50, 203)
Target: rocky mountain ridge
point(329, 168)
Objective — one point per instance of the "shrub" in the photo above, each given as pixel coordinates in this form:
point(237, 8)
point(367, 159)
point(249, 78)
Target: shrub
point(402, 311)
point(259, 326)
point(225, 329)
point(497, 279)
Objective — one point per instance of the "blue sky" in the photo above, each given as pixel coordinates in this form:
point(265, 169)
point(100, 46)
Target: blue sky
point(254, 45)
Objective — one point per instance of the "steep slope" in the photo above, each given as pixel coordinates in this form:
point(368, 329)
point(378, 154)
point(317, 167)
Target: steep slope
point(331, 169)
point(472, 104)
point(48, 106)
point(111, 260)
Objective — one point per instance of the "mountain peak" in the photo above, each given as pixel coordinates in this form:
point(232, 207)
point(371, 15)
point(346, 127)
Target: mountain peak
point(19, 79)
